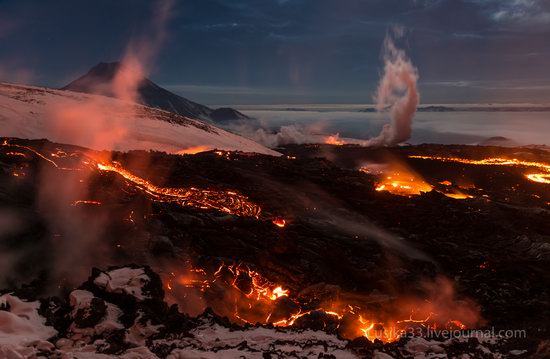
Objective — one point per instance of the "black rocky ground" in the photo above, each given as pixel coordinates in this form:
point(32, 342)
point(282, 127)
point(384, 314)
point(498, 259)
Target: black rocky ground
point(116, 323)
point(340, 233)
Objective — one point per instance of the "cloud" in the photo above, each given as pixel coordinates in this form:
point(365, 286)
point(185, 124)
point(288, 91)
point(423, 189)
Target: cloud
point(499, 85)
point(221, 26)
point(525, 12)
point(224, 90)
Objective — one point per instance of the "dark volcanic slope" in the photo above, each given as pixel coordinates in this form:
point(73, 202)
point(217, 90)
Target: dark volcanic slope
point(340, 231)
point(98, 80)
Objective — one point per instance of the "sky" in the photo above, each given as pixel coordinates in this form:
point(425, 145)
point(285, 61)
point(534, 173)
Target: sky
point(290, 51)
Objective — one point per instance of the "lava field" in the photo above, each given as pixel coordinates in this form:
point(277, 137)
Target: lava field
point(374, 249)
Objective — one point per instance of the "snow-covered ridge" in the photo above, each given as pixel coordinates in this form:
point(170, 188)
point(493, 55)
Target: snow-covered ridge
point(104, 123)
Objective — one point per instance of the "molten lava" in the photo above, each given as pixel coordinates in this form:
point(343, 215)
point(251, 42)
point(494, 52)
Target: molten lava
point(540, 177)
point(400, 181)
point(223, 201)
point(403, 185)
point(90, 202)
point(496, 161)
point(279, 222)
point(248, 297)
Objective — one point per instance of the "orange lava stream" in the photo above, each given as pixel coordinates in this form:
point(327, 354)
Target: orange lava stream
point(7, 144)
point(224, 201)
point(259, 296)
point(540, 177)
point(403, 185)
point(82, 201)
point(514, 162)
point(279, 222)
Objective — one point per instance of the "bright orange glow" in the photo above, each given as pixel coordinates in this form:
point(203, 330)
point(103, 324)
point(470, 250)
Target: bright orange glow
point(279, 292)
point(223, 201)
point(334, 140)
point(254, 298)
point(401, 182)
point(7, 144)
point(540, 177)
point(457, 195)
point(514, 162)
point(279, 222)
point(16, 154)
point(194, 150)
point(75, 203)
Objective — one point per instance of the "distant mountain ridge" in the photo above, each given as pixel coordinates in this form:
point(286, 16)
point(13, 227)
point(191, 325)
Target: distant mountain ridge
point(99, 78)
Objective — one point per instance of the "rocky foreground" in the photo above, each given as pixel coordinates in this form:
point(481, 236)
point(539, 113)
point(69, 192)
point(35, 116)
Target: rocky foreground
point(121, 313)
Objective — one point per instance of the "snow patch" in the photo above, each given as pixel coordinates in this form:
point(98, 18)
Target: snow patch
point(20, 323)
point(80, 337)
point(214, 341)
point(124, 280)
point(22, 330)
point(138, 333)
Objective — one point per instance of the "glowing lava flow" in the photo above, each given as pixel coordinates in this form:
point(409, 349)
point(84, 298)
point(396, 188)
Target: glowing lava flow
point(402, 182)
point(90, 202)
point(224, 201)
point(540, 177)
point(245, 296)
point(403, 185)
point(514, 162)
point(334, 140)
point(279, 222)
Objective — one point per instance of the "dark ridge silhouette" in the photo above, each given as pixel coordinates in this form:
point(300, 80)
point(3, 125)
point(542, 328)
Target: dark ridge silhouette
point(99, 81)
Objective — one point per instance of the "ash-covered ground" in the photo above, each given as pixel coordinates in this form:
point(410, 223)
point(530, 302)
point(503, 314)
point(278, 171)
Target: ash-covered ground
point(481, 260)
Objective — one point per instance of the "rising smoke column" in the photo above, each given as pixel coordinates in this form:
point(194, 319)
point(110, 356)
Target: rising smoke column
point(78, 235)
point(141, 53)
point(397, 91)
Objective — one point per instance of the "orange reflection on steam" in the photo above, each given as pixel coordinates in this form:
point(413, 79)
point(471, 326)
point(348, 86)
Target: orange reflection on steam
point(334, 140)
point(193, 150)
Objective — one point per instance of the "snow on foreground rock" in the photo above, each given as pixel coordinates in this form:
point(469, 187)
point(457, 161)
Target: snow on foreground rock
point(103, 123)
point(22, 329)
point(124, 280)
point(121, 313)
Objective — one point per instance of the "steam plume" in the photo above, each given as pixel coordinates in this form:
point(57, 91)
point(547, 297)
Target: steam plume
point(397, 91)
point(78, 235)
point(141, 53)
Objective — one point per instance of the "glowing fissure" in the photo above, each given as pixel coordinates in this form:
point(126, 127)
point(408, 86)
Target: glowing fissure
point(256, 299)
point(497, 161)
point(403, 184)
point(223, 201)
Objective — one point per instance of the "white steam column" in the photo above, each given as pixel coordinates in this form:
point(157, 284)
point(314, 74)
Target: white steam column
point(397, 92)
